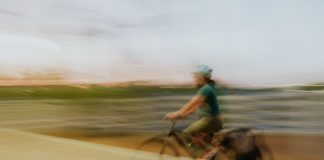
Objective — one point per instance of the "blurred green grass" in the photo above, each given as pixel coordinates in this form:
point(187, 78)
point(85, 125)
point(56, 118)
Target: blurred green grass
point(92, 91)
point(133, 91)
point(314, 87)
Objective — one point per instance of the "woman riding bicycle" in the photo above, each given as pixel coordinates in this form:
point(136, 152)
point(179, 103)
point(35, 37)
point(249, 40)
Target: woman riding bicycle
point(204, 102)
point(241, 144)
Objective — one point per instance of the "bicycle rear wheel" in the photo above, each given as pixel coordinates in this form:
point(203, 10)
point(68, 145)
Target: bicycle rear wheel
point(245, 144)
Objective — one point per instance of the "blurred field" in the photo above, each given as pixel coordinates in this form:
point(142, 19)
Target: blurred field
point(114, 114)
point(96, 109)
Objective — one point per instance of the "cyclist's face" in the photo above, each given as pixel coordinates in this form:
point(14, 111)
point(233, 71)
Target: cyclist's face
point(198, 80)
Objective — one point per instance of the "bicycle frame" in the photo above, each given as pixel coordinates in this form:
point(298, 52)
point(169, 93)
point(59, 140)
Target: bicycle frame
point(174, 138)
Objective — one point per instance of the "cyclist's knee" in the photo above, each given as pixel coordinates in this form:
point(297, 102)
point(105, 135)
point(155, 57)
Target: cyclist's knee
point(187, 133)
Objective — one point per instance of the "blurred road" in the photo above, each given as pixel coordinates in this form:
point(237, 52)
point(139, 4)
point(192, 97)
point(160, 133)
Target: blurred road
point(18, 145)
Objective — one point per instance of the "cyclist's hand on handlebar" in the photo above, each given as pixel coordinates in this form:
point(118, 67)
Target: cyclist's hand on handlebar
point(172, 116)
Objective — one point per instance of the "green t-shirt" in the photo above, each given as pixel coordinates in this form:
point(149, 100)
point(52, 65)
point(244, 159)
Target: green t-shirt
point(210, 107)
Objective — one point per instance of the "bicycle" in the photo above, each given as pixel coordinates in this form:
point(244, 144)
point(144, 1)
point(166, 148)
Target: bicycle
point(234, 144)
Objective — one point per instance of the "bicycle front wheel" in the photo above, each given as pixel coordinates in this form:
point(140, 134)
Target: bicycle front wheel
point(160, 147)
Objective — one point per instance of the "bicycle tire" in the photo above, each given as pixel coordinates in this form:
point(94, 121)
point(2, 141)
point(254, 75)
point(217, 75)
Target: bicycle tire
point(158, 147)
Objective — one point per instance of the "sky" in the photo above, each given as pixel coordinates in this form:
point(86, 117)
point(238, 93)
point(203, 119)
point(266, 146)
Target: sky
point(248, 42)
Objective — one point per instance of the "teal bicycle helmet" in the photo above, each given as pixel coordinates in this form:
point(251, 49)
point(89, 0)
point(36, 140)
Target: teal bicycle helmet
point(204, 70)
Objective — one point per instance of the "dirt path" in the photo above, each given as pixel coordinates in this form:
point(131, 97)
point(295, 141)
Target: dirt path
point(20, 145)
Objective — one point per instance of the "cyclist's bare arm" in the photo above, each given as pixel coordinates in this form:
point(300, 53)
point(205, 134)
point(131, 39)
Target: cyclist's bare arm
point(188, 108)
point(192, 105)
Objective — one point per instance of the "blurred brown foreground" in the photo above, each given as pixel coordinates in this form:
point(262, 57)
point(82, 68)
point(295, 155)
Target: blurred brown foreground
point(17, 145)
point(284, 146)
